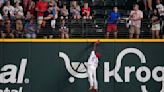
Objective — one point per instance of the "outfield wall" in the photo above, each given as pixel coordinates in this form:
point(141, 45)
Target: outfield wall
point(59, 65)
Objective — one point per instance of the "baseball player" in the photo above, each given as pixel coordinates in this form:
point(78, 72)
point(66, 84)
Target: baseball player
point(92, 66)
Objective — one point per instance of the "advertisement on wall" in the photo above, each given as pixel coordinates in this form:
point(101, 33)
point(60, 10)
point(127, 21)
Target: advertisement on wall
point(62, 66)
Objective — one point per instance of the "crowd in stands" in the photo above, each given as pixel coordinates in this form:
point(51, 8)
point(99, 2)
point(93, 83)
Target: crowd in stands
point(28, 18)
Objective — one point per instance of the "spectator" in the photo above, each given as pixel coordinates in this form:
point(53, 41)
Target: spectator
point(30, 29)
point(75, 10)
point(19, 28)
point(1, 18)
point(8, 31)
point(160, 8)
point(135, 17)
point(155, 20)
point(31, 8)
point(148, 4)
point(86, 11)
point(64, 12)
point(114, 16)
point(28, 16)
point(19, 9)
point(8, 10)
point(1, 25)
point(41, 7)
point(59, 2)
point(48, 16)
point(54, 9)
point(19, 24)
point(64, 30)
point(25, 4)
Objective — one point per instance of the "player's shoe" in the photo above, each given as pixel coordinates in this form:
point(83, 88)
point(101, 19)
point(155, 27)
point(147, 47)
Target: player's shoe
point(96, 90)
point(91, 88)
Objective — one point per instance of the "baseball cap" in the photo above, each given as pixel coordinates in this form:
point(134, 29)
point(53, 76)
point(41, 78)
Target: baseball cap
point(98, 55)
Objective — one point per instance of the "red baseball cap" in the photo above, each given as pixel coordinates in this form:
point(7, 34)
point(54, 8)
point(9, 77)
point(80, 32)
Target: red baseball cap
point(98, 55)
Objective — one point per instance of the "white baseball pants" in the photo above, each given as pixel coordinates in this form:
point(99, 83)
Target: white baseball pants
point(92, 77)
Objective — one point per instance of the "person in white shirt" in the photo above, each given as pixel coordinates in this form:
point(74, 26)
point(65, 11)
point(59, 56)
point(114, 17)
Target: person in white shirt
point(18, 9)
point(64, 30)
point(8, 9)
point(160, 8)
point(135, 18)
point(92, 66)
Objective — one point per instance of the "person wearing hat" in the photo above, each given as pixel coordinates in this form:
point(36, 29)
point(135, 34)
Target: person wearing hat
point(92, 66)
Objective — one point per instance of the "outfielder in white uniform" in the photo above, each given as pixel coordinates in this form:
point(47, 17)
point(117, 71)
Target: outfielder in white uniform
point(92, 66)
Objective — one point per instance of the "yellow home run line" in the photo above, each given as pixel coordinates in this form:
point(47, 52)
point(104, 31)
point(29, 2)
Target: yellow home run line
point(81, 40)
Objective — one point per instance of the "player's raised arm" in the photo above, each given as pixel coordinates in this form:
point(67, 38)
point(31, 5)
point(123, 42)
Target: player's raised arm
point(95, 45)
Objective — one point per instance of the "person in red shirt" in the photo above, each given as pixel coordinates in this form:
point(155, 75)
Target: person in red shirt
point(86, 11)
point(41, 7)
point(31, 8)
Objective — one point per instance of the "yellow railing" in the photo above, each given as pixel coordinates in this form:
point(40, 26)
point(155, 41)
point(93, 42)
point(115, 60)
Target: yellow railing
point(81, 40)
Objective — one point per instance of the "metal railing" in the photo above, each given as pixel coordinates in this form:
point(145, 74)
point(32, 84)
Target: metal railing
point(86, 29)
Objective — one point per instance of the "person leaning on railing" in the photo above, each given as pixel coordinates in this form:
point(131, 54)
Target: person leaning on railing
point(1, 25)
point(113, 18)
point(53, 11)
point(41, 7)
point(8, 30)
point(160, 8)
point(135, 18)
point(19, 16)
point(30, 29)
point(155, 20)
point(47, 22)
point(86, 11)
point(64, 30)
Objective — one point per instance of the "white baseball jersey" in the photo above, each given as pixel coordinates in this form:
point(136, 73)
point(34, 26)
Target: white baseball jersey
point(160, 8)
point(93, 60)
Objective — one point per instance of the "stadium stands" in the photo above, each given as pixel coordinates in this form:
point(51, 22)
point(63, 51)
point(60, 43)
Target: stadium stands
point(96, 27)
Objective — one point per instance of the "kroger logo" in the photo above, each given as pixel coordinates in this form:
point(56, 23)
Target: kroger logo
point(108, 73)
